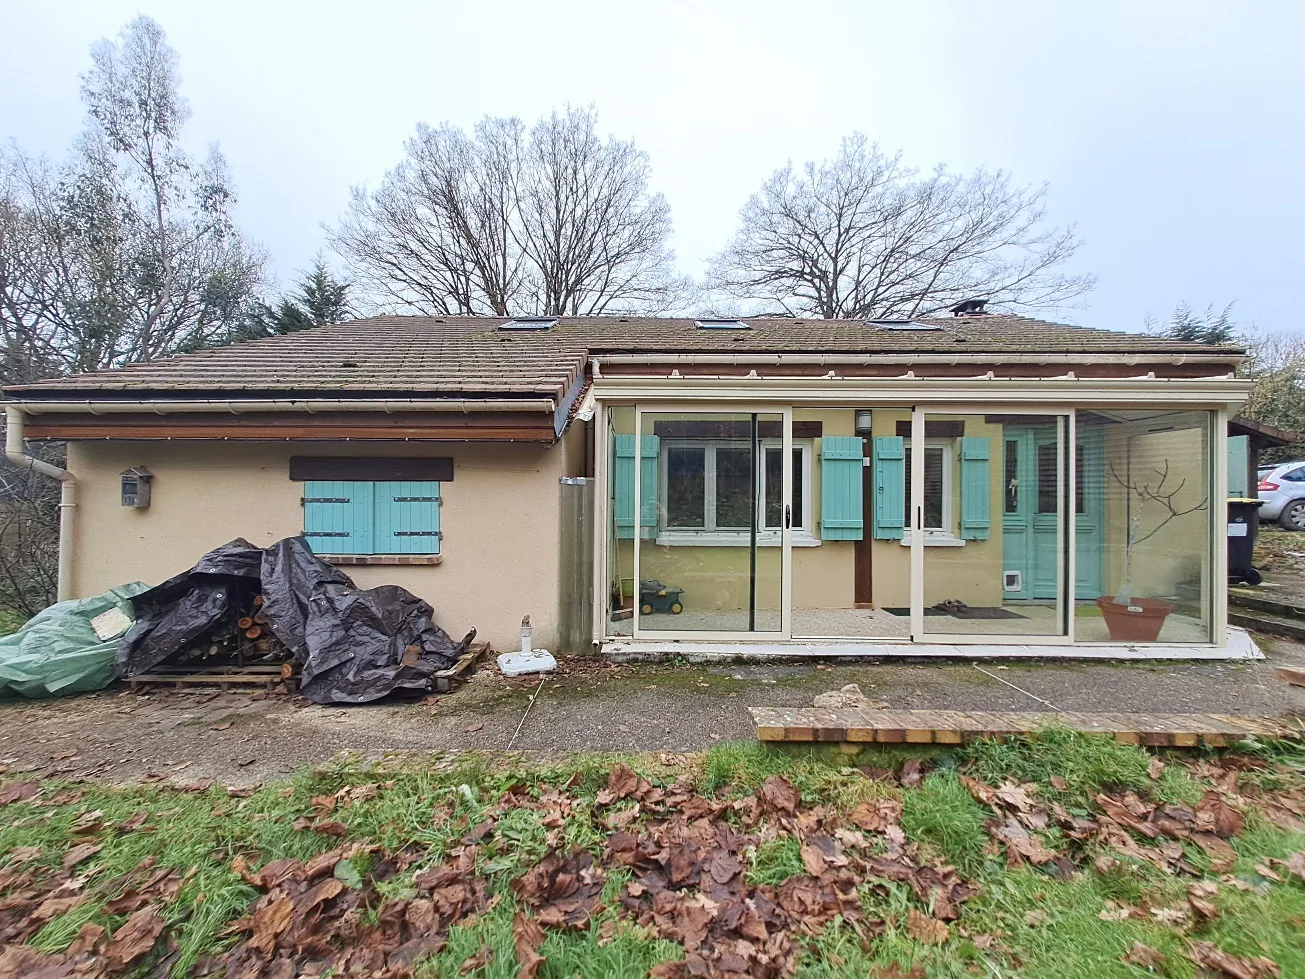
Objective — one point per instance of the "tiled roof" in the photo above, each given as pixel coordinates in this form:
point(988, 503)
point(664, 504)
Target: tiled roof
point(470, 356)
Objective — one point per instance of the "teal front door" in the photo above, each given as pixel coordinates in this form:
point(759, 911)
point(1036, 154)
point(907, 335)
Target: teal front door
point(1030, 545)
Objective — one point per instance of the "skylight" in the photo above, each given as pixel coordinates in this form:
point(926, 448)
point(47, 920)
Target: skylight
point(722, 325)
point(905, 325)
point(530, 323)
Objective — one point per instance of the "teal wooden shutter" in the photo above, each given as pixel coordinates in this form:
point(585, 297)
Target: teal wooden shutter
point(623, 485)
point(840, 488)
point(1239, 467)
point(976, 516)
point(407, 518)
point(338, 516)
point(890, 487)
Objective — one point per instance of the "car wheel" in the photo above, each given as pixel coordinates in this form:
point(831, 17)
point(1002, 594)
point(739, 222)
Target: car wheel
point(1293, 516)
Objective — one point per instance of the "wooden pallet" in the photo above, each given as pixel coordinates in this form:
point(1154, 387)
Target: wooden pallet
point(221, 676)
point(448, 680)
point(858, 724)
point(1292, 675)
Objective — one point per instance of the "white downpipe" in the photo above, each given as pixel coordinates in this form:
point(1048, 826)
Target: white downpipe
point(14, 449)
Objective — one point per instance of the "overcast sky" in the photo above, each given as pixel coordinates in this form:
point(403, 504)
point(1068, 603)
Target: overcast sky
point(1172, 133)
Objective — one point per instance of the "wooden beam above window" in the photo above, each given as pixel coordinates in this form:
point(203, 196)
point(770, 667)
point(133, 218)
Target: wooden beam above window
point(934, 429)
point(382, 468)
point(732, 429)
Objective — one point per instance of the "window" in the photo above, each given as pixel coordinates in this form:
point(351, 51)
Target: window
point(722, 325)
point(937, 488)
point(367, 517)
point(707, 491)
point(530, 323)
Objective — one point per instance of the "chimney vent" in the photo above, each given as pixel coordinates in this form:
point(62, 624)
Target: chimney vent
point(970, 307)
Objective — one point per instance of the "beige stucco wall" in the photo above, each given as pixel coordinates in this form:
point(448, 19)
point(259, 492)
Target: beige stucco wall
point(499, 519)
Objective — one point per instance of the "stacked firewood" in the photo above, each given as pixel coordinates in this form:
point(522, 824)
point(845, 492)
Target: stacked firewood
point(243, 640)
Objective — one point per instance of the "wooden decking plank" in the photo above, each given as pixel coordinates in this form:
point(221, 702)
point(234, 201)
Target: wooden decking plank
point(861, 725)
point(1288, 674)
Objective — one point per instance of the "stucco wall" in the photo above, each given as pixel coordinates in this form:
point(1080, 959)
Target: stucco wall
point(499, 518)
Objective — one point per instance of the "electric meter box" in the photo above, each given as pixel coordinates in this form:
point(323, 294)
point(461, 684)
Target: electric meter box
point(136, 487)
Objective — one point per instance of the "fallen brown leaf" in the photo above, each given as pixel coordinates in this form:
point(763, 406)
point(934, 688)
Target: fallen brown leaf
point(269, 922)
point(472, 729)
point(1295, 864)
point(1216, 816)
point(1210, 956)
point(221, 726)
point(1037, 918)
point(1144, 956)
point(528, 936)
point(895, 971)
point(924, 929)
point(18, 792)
point(1154, 768)
point(79, 853)
point(133, 940)
point(478, 960)
point(778, 794)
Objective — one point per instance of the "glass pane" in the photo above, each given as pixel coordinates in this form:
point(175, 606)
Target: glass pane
point(1048, 479)
point(620, 545)
point(934, 496)
point(707, 563)
point(774, 503)
point(1144, 539)
point(1080, 479)
point(993, 560)
point(798, 503)
point(1011, 476)
point(734, 487)
point(686, 487)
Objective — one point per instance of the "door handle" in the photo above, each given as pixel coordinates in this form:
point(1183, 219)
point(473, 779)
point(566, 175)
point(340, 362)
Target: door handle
point(788, 517)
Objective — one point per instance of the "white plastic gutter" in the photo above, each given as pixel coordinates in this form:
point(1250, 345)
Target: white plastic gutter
point(1083, 358)
point(236, 407)
point(14, 449)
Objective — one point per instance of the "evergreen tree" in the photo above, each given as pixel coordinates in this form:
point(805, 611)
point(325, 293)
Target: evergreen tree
point(319, 298)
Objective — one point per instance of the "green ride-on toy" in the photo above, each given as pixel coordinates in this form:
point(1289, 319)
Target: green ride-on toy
point(656, 597)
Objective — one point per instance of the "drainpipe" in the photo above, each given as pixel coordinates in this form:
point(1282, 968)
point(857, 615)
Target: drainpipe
point(67, 496)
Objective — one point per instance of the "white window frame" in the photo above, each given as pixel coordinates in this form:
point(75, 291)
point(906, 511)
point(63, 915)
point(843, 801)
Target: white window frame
point(803, 531)
point(946, 535)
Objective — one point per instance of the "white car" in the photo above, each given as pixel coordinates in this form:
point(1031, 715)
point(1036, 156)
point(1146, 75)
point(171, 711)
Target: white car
point(1282, 488)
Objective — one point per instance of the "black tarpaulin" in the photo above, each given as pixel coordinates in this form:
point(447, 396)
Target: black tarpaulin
point(352, 645)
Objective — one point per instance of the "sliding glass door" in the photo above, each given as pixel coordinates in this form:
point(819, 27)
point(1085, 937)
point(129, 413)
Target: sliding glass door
point(710, 535)
point(987, 519)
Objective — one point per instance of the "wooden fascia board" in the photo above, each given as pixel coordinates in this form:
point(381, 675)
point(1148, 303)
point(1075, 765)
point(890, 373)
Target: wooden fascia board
point(412, 426)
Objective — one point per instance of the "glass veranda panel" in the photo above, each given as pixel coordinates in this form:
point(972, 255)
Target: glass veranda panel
point(710, 535)
point(992, 517)
point(1152, 556)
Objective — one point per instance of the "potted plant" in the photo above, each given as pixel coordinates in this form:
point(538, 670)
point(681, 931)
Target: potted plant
point(1151, 508)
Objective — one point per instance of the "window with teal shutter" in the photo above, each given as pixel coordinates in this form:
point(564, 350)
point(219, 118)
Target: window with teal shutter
point(407, 518)
point(976, 516)
point(840, 488)
point(889, 460)
point(623, 486)
point(338, 516)
point(364, 517)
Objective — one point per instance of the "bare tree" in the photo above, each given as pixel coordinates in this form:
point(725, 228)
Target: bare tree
point(29, 536)
point(863, 235)
point(505, 221)
point(128, 252)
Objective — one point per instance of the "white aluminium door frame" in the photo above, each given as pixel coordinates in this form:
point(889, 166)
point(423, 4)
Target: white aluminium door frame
point(1065, 535)
point(786, 531)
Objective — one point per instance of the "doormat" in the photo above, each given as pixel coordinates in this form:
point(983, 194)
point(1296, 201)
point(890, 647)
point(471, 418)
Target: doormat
point(906, 611)
point(987, 613)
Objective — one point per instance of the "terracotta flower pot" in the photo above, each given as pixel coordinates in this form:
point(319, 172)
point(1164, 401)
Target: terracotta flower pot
point(1138, 621)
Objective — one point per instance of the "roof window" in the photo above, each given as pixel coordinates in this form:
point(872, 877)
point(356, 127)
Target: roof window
point(911, 326)
point(530, 323)
point(722, 325)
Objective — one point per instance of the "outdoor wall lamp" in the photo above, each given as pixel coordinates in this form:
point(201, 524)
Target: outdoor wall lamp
point(862, 424)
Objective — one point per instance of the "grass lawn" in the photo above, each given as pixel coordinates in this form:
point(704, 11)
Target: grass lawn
point(10, 621)
point(1064, 857)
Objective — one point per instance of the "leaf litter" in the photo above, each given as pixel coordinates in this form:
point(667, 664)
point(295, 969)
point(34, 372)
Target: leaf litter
point(684, 860)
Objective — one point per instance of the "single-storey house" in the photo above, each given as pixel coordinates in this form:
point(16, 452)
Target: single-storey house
point(979, 483)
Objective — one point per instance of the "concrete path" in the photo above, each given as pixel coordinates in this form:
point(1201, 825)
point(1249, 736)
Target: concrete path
point(234, 739)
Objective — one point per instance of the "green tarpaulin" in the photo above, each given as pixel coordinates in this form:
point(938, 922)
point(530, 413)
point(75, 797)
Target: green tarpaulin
point(57, 652)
